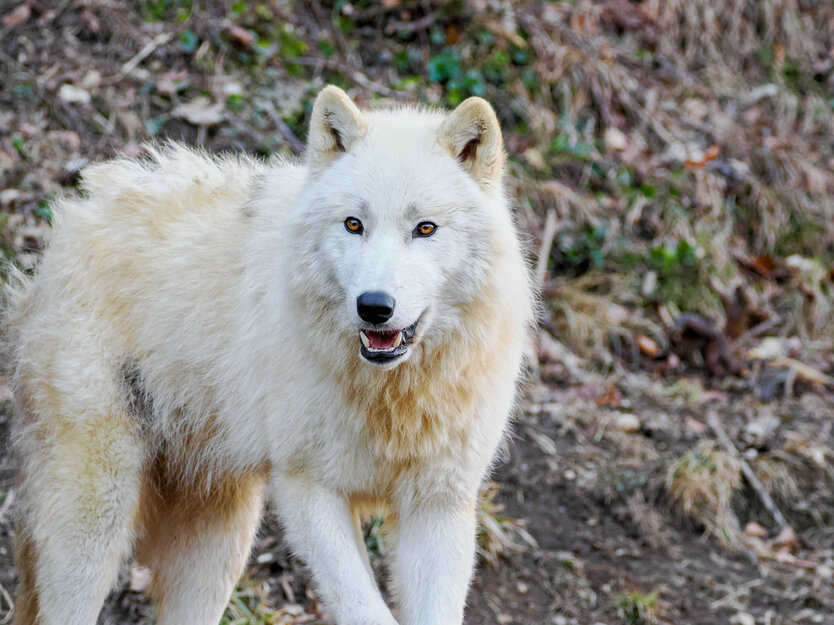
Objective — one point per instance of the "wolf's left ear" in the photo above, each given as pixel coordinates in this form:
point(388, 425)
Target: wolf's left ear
point(471, 134)
point(335, 126)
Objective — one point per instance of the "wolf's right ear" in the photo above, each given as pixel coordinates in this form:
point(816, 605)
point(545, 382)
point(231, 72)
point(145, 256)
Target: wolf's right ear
point(471, 133)
point(335, 126)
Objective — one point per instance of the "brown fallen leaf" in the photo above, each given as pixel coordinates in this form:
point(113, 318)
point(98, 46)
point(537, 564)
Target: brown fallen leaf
point(241, 35)
point(779, 54)
point(786, 539)
point(754, 530)
point(709, 155)
point(695, 426)
point(766, 551)
point(648, 347)
point(17, 16)
point(584, 23)
point(611, 397)
point(452, 34)
point(764, 265)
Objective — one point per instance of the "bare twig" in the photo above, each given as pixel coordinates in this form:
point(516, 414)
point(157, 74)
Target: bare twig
point(407, 27)
point(550, 225)
point(755, 483)
point(160, 40)
point(7, 505)
point(804, 371)
point(732, 597)
point(755, 331)
point(9, 602)
point(296, 145)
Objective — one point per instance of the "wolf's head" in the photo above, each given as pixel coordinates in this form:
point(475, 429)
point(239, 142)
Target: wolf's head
point(398, 222)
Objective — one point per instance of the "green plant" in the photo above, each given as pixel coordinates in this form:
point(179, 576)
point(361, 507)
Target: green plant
point(17, 144)
point(446, 69)
point(159, 10)
point(670, 258)
point(7, 247)
point(373, 538)
point(562, 144)
point(637, 608)
point(248, 606)
point(578, 250)
point(188, 41)
point(43, 210)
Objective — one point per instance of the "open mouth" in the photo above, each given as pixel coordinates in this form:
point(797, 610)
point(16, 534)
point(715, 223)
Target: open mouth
point(385, 346)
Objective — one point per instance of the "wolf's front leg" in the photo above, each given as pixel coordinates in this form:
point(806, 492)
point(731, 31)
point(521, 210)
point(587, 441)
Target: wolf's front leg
point(434, 553)
point(320, 529)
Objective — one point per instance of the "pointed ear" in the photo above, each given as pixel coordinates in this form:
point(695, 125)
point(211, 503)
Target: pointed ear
point(472, 135)
point(335, 126)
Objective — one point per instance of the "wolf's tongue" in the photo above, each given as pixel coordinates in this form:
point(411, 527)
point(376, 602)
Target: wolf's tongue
point(382, 339)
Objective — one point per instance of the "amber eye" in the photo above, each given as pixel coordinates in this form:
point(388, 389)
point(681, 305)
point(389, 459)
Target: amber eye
point(425, 229)
point(352, 224)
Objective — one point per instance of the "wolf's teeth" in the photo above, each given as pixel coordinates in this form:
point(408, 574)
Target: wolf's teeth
point(399, 339)
point(365, 341)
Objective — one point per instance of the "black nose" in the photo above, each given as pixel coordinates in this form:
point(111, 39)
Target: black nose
point(375, 307)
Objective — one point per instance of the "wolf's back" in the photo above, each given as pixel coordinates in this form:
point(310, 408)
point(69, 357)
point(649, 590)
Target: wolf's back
point(146, 261)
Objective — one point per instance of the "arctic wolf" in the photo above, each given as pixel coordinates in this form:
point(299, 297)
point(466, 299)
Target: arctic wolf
point(343, 334)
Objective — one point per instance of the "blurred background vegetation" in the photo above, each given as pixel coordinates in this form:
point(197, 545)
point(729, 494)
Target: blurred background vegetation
point(673, 165)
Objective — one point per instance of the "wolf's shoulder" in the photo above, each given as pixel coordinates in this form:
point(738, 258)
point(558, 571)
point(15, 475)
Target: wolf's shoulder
point(170, 184)
point(170, 170)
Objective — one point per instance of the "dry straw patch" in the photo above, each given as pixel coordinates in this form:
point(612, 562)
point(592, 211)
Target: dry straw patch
point(499, 535)
point(702, 482)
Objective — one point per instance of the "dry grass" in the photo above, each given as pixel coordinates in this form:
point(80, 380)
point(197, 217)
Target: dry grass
point(702, 483)
point(249, 605)
point(499, 535)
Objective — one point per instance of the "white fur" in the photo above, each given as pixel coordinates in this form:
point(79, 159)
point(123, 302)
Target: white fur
point(227, 289)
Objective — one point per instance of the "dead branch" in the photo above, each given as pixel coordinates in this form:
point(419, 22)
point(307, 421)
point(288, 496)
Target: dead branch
point(160, 40)
point(421, 24)
point(755, 331)
point(7, 505)
point(752, 479)
point(550, 225)
point(294, 143)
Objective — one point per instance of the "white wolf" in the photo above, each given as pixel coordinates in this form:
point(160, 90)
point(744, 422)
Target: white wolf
point(345, 332)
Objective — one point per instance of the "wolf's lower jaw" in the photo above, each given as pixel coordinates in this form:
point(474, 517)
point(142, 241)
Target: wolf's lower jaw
point(381, 357)
point(400, 342)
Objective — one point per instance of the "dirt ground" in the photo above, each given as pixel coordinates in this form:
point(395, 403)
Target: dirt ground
point(674, 170)
point(593, 550)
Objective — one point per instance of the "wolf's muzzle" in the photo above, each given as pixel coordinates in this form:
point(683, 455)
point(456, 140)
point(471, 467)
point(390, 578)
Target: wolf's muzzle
point(375, 307)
